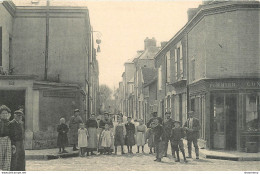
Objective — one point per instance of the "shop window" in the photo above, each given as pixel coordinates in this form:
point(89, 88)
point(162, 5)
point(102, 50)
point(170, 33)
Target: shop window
point(252, 112)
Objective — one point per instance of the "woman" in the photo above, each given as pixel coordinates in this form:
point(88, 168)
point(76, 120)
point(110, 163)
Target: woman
point(140, 135)
point(5, 142)
point(92, 126)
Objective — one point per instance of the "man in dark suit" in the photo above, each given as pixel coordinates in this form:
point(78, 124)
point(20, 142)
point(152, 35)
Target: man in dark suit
point(168, 125)
point(192, 126)
point(17, 141)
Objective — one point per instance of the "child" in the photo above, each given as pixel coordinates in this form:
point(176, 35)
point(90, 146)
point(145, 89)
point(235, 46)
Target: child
point(106, 138)
point(150, 138)
point(140, 135)
point(130, 135)
point(62, 141)
point(82, 139)
point(177, 136)
point(120, 133)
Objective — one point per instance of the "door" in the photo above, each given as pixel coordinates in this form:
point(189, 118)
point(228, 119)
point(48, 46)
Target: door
point(231, 121)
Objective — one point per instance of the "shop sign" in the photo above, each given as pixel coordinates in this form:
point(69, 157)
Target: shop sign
point(240, 84)
point(59, 94)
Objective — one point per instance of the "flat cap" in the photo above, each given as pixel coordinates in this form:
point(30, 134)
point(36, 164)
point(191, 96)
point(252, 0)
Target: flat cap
point(18, 112)
point(76, 110)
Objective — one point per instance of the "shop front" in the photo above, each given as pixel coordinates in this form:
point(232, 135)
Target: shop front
point(228, 110)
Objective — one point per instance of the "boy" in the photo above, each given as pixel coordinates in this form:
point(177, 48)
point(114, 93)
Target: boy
point(177, 136)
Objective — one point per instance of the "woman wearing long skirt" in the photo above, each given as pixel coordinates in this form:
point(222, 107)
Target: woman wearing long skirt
point(140, 135)
point(5, 142)
point(92, 126)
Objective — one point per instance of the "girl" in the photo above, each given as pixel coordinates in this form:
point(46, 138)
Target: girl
point(130, 134)
point(82, 139)
point(92, 130)
point(120, 133)
point(62, 130)
point(106, 138)
point(140, 135)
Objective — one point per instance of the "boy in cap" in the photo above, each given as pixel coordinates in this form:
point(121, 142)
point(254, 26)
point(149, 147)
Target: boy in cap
point(177, 136)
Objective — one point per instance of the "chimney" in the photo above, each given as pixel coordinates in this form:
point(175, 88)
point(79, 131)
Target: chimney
point(163, 43)
point(192, 12)
point(149, 43)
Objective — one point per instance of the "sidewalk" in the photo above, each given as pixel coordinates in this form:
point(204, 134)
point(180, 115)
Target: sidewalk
point(47, 154)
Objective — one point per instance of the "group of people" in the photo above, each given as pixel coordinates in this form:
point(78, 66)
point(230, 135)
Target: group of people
point(12, 153)
point(104, 136)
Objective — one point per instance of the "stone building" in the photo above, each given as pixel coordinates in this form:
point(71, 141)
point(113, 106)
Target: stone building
point(45, 65)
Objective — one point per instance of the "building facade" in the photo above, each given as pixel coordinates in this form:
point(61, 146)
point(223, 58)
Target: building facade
point(45, 65)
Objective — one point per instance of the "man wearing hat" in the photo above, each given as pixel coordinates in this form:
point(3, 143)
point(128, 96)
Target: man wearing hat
point(154, 116)
point(192, 126)
point(168, 125)
point(17, 141)
point(74, 122)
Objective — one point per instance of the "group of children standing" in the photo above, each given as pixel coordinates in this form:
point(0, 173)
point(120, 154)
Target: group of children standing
point(128, 134)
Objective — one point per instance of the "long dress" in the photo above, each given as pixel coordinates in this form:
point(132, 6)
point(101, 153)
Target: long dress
point(92, 131)
point(74, 126)
point(5, 146)
point(62, 130)
point(140, 135)
point(130, 134)
point(120, 132)
point(17, 139)
point(106, 137)
point(82, 137)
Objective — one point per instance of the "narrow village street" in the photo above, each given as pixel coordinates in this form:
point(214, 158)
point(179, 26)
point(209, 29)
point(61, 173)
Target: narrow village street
point(138, 162)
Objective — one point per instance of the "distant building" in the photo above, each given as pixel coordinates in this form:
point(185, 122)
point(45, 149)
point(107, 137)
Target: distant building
point(47, 64)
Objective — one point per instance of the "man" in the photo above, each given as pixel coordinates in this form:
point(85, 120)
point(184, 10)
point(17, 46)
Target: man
point(168, 125)
point(154, 116)
point(192, 127)
point(74, 122)
point(17, 141)
point(159, 139)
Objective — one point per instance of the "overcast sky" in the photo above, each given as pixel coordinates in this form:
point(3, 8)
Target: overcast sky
point(125, 25)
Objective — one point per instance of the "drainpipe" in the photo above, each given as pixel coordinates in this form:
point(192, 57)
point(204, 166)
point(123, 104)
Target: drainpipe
point(47, 41)
point(187, 75)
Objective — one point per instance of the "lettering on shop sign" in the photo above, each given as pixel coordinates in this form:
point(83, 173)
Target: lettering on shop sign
point(59, 94)
point(250, 84)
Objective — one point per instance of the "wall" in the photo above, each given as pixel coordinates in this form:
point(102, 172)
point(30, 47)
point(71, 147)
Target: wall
point(232, 45)
point(7, 27)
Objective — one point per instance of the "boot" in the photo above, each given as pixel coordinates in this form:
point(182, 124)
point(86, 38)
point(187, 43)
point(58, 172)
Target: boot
point(137, 149)
point(74, 148)
point(151, 151)
point(183, 154)
point(178, 157)
point(115, 150)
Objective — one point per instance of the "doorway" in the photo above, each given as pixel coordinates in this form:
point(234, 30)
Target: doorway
point(224, 108)
point(12, 99)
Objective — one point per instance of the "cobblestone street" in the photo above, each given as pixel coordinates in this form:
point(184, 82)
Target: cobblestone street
point(138, 162)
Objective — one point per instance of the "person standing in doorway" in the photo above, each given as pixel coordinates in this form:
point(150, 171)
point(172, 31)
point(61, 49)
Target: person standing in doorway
point(130, 135)
point(17, 141)
point(140, 135)
point(5, 142)
point(168, 125)
point(192, 126)
point(74, 122)
point(92, 126)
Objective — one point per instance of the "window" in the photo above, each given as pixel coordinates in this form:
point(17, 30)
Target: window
point(252, 109)
point(181, 63)
point(193, 70)
point(160, 78)
point(176, 64)
point(1, 63)
point(219, 117)
point(168, 66)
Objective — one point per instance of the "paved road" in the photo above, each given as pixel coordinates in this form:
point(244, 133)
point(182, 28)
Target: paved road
point(138, 162)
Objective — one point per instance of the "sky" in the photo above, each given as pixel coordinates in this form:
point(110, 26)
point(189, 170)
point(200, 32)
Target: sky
point(125, 24)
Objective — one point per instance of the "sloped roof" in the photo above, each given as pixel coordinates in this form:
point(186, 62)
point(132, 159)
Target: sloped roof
point(149, 74)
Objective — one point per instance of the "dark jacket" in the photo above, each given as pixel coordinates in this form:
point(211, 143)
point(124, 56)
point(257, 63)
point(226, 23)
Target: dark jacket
point(159, 133)
point(168, 125)
point(177, 134)
point(102, 123)
point(194, 133)
point(16, 131)
point(152, 119)
point(62, 130)
point(91, 123)
point(4, 128)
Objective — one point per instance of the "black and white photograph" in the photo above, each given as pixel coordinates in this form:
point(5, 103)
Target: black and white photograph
point(113, 85)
